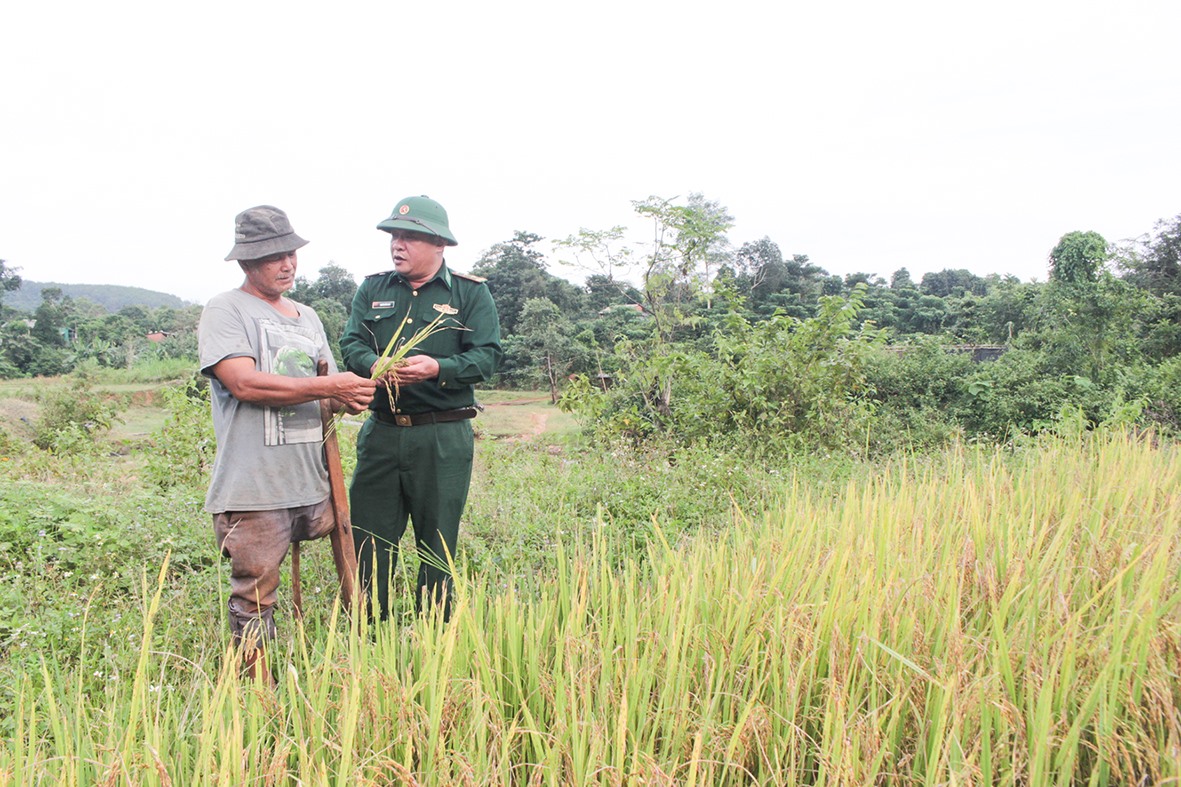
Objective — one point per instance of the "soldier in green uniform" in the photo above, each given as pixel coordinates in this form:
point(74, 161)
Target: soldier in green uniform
point(414, 454)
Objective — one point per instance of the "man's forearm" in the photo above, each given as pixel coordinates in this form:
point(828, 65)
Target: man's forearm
point(276, 390)
point(247, 384)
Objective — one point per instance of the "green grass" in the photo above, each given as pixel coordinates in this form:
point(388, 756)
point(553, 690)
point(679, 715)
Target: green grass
point(974, 617)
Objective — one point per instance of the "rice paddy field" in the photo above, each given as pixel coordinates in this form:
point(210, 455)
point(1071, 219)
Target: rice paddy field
point(979, 616)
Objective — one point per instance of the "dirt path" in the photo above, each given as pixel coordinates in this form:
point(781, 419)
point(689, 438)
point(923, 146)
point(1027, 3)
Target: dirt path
point(511, 402)
point(537, 421)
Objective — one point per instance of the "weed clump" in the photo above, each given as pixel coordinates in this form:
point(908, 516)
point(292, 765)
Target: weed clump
point(183, 448)
point(74, 418)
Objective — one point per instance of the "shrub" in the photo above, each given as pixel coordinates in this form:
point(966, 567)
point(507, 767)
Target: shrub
point(1017, 393)
point(184, 447)
point(73, 418)
point(917, 390)
point(777, 385)
point(63, 552)
point(1160, 388)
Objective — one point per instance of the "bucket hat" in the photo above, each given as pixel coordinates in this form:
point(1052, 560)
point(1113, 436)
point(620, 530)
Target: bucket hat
point(262, 231)
point(420, 214)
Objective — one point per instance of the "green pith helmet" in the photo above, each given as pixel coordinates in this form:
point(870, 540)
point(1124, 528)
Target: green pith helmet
point(421, 214)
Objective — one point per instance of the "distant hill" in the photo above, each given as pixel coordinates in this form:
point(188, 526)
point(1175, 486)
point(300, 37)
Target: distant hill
point(112, 296)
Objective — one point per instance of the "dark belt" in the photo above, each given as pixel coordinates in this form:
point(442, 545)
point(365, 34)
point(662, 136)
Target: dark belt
point(418, 419)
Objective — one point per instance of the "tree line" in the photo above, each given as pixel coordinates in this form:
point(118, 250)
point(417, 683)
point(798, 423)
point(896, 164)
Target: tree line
point(688, 338)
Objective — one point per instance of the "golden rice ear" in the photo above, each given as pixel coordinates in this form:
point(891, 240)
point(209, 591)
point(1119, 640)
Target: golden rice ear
point(397, 349)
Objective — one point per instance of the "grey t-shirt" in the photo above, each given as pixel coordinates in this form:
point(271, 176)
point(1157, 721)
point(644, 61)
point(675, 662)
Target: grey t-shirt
point(267, 457)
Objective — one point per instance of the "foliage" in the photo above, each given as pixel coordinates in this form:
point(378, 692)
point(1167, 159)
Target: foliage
point(1159, 327)
point(64, 333)
point(601, 252)
point(544, 349)
point(771, 283)
point(995, 617)
point(1154, 263)
point(64, 556)
point(791, 384)
point(918, 390)
point(1078, 258)
point(950, 281)
point(1159, 388)
point(333, 317)
point(10, 279)
point(1085, 322)
point(515, 271)
point(1087, 326)
point(781, 384)
point(334, 284)
point(926, 395)
point(184, 447)
point(24, 354)
point(687, 242)
point(73, 418)
point(528, 498)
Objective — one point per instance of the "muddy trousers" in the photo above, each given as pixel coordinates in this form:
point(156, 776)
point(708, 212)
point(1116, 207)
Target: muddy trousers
point(256, 542)
point(416, 473)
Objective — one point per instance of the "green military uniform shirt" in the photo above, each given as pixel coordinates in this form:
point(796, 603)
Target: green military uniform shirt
point(468, 352)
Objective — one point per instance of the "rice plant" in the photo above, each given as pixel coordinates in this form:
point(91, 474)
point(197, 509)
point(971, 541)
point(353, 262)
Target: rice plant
point(978, 618)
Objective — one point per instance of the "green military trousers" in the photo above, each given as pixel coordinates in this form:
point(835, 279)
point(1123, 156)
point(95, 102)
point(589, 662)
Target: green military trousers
point(418, 472)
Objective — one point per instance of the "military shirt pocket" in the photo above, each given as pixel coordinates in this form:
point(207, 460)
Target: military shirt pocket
point(381, 324)
point(380, 315)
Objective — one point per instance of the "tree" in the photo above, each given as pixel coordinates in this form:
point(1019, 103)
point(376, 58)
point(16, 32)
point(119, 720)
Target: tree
point(140, 317)
point(545, 338)
point(516, 272)
point(1089, 313)
point(50, 327)
point(9, 280)
point(1008, 310)
point(952, 282)
point(333, 284)
point(770, 282)
point(333, 316)
point(1078, 257)
point(602, 252)
point(604, 292)
point(901, 280)
point(1154, 264)
point(41, 348)
point(759, 267)
point(605, 254)
point(688, 241)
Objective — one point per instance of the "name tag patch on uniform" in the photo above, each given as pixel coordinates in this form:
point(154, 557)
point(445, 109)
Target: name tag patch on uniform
point(445, 308)
point(382, 305)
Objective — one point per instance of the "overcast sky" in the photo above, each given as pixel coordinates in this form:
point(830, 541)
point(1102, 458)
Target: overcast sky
point(868, 135)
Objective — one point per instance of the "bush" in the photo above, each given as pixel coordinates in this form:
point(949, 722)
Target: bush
point(183, 449)
point(917, 390)
point(1160, 389)
point(1017, 393)
point(63, 553)
point(774, 386)
point(920, 374)
point(72, 419)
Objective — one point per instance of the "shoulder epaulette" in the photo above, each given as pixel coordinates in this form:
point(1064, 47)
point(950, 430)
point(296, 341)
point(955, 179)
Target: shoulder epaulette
point(469, 277)
point(379, 273)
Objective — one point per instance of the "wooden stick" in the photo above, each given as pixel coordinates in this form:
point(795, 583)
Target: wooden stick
point(296, 590)
point(343, 551)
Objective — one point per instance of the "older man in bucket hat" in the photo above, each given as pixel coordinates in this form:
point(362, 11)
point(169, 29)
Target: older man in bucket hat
point(270, 485)
point(414, 455)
